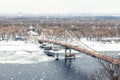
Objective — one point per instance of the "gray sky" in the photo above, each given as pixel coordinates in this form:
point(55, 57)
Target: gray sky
point(59, 6)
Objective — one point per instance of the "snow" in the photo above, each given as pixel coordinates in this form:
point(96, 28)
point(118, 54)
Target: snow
point(32, 33)
point(21, 52)
point(118, 53)
point(63, 51)
point(17, 45)
point(99, 46)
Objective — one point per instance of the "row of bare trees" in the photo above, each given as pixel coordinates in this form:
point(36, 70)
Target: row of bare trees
point(87, 31)
point(82, 26)
point(107, 71)
point(7, 32)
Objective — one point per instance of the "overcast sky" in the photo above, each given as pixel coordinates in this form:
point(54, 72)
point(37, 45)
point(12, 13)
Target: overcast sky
point(59, 6)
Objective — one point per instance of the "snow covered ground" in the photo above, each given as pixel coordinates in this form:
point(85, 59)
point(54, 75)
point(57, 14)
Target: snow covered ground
point(17, 45)
point(21, 53)
point(99, 46)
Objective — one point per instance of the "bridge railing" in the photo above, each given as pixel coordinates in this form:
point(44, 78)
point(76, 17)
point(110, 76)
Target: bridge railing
point(78, 41)
point(69, 38)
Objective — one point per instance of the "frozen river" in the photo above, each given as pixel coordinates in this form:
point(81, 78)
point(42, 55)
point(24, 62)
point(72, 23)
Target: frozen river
point(29, 62)
point(37, 66)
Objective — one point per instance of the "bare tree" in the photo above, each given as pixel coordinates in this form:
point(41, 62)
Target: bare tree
point(107, 71)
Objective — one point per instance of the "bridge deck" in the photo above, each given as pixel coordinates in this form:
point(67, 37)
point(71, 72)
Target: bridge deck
point(97, 55)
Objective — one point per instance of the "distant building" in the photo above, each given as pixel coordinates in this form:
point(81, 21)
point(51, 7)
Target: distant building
point(32, 34)
point(32, 31)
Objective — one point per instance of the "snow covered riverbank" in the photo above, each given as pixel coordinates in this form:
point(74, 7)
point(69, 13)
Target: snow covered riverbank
point(18, 45)
point(21, 53)
point(100, 46)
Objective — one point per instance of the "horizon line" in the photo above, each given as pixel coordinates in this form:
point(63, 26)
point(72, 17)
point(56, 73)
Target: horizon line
point(59, 14)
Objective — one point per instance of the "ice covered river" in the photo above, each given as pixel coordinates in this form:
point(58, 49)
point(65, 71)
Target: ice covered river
point(36, 65)
point(22, 65)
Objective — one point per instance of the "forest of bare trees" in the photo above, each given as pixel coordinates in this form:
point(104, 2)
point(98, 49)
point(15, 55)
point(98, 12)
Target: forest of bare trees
point(81, 26)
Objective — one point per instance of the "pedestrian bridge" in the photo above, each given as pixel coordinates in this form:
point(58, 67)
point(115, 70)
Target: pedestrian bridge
point(93, 54)
point(70, 43)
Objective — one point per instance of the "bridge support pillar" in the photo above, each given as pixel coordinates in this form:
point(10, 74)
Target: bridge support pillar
point(52, 44)
point(49, 44)
point(69, 51)
point(57, 56)
point(66, 52)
